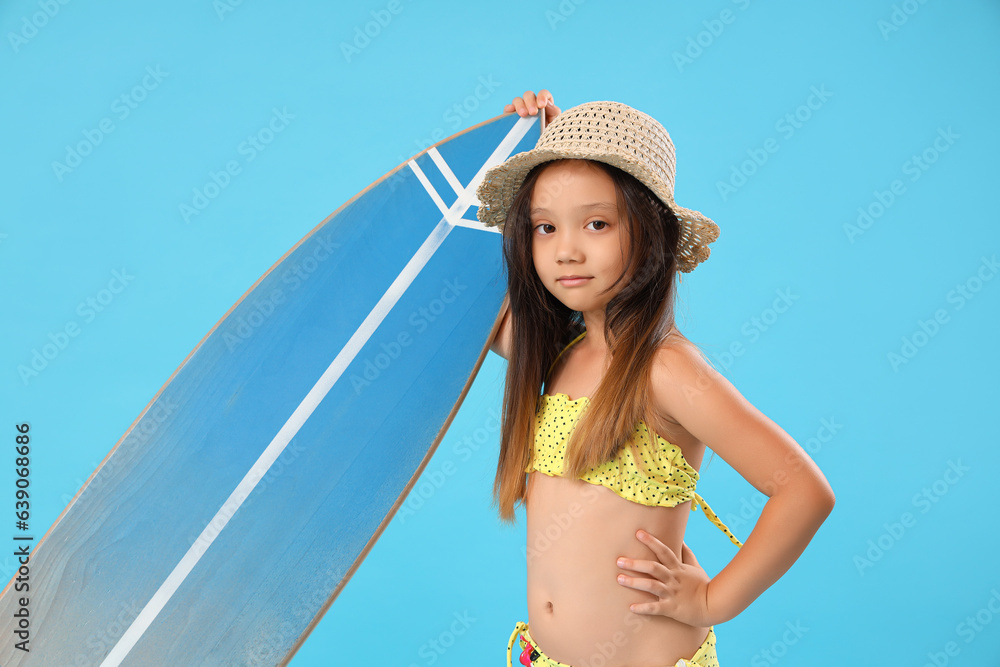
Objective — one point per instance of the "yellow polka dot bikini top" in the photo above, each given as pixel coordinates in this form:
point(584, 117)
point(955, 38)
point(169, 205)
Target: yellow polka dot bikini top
point(671, 481)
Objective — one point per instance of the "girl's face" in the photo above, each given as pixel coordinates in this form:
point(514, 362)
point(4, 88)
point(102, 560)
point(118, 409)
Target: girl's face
point(578, 230)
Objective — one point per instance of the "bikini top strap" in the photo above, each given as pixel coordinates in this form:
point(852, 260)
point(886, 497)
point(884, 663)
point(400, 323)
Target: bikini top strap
point(713, 517)
point(558, 356)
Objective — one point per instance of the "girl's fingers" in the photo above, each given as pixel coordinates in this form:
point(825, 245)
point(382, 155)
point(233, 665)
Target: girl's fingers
point(521, 107)
point(636, 565)
point(664, 553)
point(529, 104)
point(646, 608)
point(655, 569)
point(638, 583)
point(529, 101)
point(687, 556)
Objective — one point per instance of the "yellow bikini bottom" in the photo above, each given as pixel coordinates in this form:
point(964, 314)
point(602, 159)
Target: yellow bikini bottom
point(532, 656)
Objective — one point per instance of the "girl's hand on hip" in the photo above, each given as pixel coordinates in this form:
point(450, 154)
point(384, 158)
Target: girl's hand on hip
point(529, 104)
point(680, 584)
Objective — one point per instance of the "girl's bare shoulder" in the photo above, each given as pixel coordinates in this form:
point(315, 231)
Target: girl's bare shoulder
point(679, 371)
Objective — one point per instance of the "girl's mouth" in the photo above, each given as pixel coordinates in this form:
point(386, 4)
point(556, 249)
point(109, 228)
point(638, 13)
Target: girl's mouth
point(571, 282)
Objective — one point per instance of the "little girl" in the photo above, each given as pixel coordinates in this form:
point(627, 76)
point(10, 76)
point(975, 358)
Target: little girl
point(606, 460)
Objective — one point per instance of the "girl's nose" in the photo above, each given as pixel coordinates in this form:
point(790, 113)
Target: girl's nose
point(568, 248)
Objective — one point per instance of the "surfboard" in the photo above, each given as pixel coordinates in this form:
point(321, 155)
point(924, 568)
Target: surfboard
point(236, 507)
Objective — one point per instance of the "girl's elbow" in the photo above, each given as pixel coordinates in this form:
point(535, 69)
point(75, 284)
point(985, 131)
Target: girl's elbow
point(816, 493)
point(825, 497)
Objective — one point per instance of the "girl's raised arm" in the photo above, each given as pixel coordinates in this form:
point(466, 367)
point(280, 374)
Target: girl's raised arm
point(501, 342)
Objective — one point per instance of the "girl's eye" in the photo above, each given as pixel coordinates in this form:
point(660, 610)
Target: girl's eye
point(592, 222)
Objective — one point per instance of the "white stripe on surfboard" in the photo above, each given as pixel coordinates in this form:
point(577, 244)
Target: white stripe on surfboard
point(431, 190)
point(456, 185)
point(449, 175)
point(466, 196)
point(312, 399)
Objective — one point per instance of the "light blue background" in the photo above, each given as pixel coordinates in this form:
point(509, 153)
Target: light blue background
point(825, 358)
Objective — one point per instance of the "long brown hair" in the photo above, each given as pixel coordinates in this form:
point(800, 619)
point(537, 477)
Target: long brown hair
point(637, 321)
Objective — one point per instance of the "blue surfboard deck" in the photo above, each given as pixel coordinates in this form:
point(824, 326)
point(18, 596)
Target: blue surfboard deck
point(237, 506)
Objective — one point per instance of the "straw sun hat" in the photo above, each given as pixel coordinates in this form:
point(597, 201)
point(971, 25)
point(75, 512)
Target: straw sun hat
point(615, 134)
